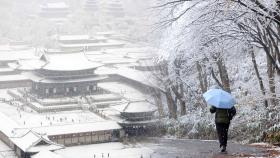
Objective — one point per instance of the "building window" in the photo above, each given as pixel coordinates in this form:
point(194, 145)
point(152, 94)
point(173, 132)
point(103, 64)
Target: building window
point(36, 86)
point(47, 91)
point(54, 90)
point(67, 90)
point(75, 89)
point(88, 88)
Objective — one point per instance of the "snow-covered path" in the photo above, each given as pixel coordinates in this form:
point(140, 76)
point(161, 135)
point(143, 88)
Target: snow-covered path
point(163, 148)
point(186, 148)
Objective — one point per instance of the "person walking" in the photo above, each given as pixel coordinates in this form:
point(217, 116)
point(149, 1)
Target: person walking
point(223, 118)
point(222, 103)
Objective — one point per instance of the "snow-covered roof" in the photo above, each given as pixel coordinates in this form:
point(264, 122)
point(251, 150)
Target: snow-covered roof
point(141, 106)
point(69, 62)
point(58, 20)
point(37, 78)
point(57, 62)
point(17, 55)
point(55, 5)
point(13, 78)
point(27, 140)
point(55, 51)
point(23, 138)
point(99, 44)
point(80, 37)
point(109, 59)
point(136, 107)
point(94, 53)
point(105, 33)
point(73, 37)
point(29, 64)
point(46, 154)
point(78, 128)
point(30, 142)
point(143, 77)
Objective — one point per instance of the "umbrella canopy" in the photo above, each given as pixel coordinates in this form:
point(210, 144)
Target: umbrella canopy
point(219, 98)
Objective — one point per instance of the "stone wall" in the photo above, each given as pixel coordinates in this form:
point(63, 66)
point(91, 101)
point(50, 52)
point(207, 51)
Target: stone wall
point(64, 89)
point(87, 137)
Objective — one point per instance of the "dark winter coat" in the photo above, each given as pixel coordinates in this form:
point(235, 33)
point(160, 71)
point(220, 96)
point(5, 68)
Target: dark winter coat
point(223, 115)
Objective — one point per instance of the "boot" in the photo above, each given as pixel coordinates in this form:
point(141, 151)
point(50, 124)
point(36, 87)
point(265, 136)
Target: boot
point(224, 148)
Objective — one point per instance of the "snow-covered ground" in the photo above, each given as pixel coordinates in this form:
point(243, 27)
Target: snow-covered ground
point(24, 117)
point(115, 150)
point(33, 119)
point(165, 148)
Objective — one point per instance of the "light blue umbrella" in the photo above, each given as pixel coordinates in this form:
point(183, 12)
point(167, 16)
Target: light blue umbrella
point(219, 98)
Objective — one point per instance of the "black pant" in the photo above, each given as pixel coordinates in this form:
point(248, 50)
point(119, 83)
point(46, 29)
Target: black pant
point(222, 130)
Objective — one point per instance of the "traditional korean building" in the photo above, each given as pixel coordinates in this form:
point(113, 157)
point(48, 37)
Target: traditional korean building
point(10, 54)
point(30, 143)
point(83, 133)
point(10, 77)
point(87, 43)
point(24, 142)
point(54, 10)
point(138, 117)
point(114, 8)
point(66, 74)
point(91, 6)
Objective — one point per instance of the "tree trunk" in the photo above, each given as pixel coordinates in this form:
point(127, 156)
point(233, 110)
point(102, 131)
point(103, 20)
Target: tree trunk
point(202, 78)
point(223, 75)
point(158, 100)
point(172, 107)
point(259, 77)
point(179, 93)
point(216, 78)
point(276, 54)
point(182, 101)
point(271, 81)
